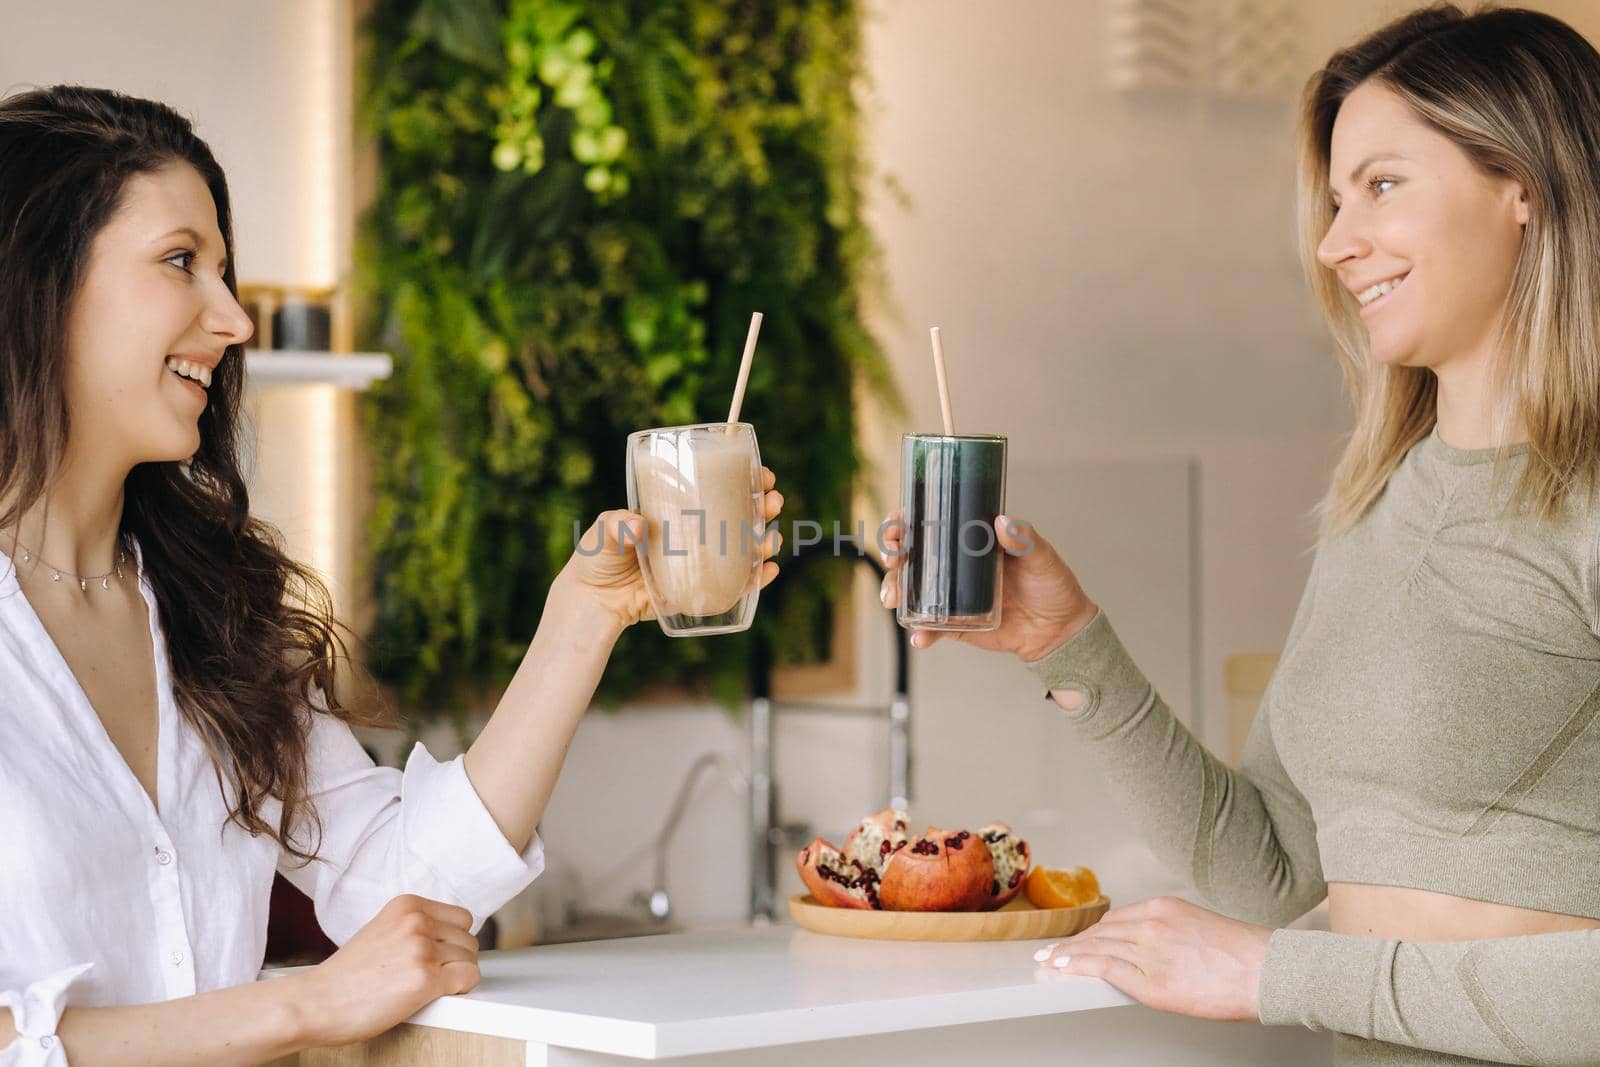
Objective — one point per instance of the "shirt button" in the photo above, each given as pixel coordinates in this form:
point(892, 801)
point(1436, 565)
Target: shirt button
point(46, 1041)
point(163, 857)
point(176, 958)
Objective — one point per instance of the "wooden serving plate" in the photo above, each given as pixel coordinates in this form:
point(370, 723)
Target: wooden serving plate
point(1017, 921)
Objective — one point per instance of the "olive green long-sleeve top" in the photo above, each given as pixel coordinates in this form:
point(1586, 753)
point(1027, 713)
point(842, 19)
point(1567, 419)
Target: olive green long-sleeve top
point(1431, 724)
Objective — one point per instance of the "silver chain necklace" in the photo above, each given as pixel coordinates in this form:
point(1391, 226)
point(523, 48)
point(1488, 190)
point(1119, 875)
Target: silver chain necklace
point(83, 581)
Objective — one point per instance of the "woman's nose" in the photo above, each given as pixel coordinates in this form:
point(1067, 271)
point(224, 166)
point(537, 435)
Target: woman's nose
point(225, 318)
point(1342, 241)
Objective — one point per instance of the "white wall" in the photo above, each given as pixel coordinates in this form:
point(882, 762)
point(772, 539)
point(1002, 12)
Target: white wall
point(266, 85)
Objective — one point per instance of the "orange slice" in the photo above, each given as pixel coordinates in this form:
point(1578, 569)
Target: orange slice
point(1070, 888)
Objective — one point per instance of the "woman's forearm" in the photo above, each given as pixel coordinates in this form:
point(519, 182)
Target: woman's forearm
point(242, 1025)
point(1257, 856)
point(514, 763)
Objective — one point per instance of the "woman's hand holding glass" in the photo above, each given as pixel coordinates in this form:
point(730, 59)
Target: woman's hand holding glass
point(610, 578)
point(1042, 603)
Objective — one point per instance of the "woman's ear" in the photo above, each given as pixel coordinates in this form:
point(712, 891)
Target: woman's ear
point(1523, 211)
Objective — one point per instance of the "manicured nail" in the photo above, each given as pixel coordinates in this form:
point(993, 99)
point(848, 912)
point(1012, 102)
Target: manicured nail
point(1061, 962)
point(1043, 954)
point(883, 595)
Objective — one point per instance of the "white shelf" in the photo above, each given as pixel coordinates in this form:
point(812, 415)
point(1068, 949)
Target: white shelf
point(345, 370)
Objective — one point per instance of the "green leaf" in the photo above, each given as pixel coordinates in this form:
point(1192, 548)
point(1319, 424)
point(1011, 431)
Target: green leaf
point(468, 30)
point(657, 369)
point(579, 44)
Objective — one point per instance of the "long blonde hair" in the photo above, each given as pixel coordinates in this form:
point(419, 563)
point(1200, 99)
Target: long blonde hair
point(1519, 92)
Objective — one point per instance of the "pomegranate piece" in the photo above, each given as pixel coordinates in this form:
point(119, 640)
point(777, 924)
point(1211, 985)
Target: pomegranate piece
point(876, 836)
point(1011, 858)
point(835, 879)
point(943, 870)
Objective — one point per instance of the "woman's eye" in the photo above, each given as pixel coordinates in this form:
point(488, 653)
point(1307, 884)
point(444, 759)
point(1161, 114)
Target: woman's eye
point(182, 260)
point(1375, 183)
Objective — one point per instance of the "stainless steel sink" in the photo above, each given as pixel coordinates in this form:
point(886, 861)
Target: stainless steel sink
point(605, 926)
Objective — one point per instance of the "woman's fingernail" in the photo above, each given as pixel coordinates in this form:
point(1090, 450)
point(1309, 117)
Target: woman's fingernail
point(883, 595)
point(1062, 961)
point(1044, 953)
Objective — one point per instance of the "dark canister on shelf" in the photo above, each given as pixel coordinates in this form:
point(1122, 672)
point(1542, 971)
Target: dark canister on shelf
point(302, 325)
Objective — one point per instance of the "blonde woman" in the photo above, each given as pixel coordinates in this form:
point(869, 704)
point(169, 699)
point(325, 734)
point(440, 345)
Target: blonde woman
point(1427, 756)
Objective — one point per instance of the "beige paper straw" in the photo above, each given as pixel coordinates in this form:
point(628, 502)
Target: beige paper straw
point(944, 383)
point(744, 367)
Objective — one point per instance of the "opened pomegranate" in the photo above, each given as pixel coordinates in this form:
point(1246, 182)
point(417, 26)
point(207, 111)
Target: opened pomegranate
point(943, 870)
point(876, 836)
point(1011, 859)
point(882, 867)
point(836, 880)
point(849, 879)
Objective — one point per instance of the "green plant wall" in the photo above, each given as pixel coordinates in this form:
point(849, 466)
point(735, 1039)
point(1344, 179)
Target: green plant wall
point(580, 203)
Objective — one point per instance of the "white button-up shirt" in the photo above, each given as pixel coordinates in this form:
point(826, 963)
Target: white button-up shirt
point(107, 899)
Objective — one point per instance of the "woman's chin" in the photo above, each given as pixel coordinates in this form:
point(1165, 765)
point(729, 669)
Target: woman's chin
point(177, 448)
point(1391, 352)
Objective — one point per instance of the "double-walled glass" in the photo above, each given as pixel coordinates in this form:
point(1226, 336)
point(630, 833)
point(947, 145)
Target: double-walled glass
point(699, 490)
point(952, 486)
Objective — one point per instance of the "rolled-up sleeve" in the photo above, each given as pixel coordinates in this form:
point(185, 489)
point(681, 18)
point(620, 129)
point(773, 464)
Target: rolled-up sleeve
point(36, 1013)
point(386, 832)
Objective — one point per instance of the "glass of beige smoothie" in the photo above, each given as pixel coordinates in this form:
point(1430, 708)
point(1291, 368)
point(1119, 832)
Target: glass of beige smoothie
point(699, 490)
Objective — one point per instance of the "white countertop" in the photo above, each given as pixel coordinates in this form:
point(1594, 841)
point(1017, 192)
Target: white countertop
point(714, 991)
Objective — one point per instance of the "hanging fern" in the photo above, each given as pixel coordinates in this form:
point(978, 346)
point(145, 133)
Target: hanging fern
point(580, 203)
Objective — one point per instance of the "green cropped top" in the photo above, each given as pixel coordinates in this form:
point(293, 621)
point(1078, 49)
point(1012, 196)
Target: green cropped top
point(1431, 724)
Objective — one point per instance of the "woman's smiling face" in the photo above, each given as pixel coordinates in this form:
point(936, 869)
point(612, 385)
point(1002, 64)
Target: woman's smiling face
point(1422, 237)
point(152, 289)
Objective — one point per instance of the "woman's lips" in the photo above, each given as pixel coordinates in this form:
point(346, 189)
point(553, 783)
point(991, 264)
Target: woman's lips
point(1367, 309)
point(190, 385)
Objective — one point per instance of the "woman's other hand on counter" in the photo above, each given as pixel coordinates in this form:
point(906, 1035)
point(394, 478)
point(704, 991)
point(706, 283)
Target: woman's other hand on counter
point(412, 952)
point(605, 572)
point(1171, 955)
point(1042, 603)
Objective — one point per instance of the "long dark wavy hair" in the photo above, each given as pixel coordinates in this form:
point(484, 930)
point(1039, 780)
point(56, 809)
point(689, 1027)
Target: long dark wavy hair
point(250, 632)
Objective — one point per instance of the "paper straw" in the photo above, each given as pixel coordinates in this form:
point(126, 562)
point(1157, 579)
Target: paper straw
point(744, 367)
point(944, 383)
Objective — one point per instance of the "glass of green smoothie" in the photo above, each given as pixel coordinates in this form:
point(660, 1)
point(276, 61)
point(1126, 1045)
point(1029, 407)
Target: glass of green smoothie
point(951, 488)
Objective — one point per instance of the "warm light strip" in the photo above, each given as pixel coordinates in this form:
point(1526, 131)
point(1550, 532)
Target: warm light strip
point(321, 110)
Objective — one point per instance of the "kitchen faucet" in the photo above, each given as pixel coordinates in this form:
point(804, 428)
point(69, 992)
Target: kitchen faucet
point(767, 835)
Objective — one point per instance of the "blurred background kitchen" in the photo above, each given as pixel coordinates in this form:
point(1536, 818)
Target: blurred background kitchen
point(1093, 199)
